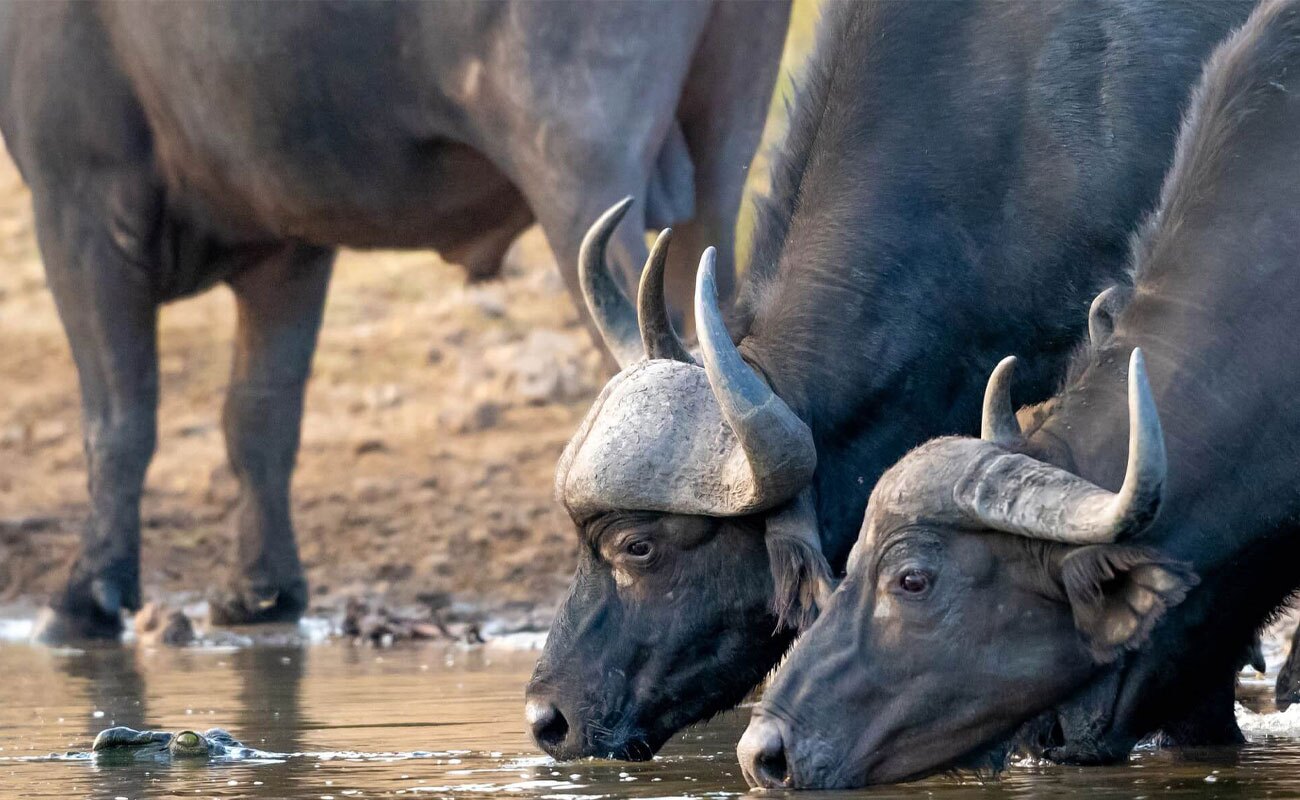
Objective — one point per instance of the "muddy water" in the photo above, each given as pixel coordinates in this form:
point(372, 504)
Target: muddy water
point(439, 722)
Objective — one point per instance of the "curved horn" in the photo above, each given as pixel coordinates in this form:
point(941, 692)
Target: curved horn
point(610, 310)
point(657, 334)
point(1018, 494)
point(1138, 500)
point(779, 456)
point(999, 424)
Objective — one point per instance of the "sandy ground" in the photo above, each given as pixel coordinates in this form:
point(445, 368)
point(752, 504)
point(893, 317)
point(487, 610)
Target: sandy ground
point(435, 415)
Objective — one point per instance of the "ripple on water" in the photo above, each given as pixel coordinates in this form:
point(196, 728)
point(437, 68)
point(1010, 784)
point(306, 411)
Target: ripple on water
point(439, 722)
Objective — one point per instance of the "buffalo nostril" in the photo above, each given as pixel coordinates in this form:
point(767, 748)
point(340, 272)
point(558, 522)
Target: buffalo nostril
point(772, 769)
point(548, 725)
point(762, 755)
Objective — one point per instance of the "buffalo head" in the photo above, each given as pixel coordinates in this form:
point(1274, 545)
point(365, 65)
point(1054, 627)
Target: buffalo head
point(699, 557)
point(985, 587)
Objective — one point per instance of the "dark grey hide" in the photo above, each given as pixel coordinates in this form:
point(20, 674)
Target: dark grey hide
point(959, 620)
point(172, 146)
point(1287, 690)
point(955, 186)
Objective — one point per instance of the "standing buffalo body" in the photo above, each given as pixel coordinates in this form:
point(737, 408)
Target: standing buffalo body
point(954, 186)
point(995, 577)
point(170, 147)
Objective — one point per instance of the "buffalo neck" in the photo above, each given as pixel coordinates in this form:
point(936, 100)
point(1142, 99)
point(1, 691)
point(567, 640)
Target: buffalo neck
point(1215, 287)
point(921, 225)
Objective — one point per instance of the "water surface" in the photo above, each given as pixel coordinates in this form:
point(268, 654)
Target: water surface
point(443, 721)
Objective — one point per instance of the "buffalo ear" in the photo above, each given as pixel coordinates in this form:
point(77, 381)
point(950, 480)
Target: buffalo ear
point(1103, 311)
point(801, 578)
point(1119, 593)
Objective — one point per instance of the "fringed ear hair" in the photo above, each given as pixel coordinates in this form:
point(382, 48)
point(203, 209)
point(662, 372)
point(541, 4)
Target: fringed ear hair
point(800, 575)
point(1118, 594)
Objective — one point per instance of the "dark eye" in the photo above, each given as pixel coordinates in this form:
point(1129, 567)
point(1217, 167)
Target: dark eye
point(914, 581)
point(640, 548)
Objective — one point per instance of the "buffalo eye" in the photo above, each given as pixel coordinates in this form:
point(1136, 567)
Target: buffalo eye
point(640, 549)
point(914, 581)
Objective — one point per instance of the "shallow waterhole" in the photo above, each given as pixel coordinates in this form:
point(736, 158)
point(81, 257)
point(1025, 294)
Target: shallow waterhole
point(444, 721)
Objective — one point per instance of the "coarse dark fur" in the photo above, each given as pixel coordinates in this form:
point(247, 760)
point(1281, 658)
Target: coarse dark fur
point(982, 218)
point(954, 187)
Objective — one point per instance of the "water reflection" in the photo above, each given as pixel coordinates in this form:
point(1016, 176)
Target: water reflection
point(270, 715)
point(110, 684)
point(445, 722)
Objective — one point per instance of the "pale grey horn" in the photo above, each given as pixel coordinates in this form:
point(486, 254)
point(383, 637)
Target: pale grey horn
point(1018, 494)
point(777, 457)
point(657, 334)
point(998, 423)
point(1138, 500)
point(614, 316)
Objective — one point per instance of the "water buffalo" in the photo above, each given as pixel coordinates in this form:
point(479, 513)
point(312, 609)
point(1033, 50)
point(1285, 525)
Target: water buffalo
point(954, 186)
point(173, 146)
point(996, 577)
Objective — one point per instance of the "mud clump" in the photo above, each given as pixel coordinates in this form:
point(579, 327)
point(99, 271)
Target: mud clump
point(370, 622)
point(157, 626)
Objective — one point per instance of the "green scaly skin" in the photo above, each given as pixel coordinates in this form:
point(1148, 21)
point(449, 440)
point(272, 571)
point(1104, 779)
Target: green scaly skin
point(128, 743)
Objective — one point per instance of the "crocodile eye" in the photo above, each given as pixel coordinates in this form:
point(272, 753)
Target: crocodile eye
point(188, 739)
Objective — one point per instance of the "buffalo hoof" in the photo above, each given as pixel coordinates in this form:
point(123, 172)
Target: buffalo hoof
point(56, 627)
point(1287, 690)
point(88, 609)
point(1286, 697)
point(1088, 754)
point(247, 605)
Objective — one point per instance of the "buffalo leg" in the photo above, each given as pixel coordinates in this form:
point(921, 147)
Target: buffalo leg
point(280, 304)
point(1287, 690)
point(1098, 725)
point(586, 141)
point(723, 110)
point(565, 223)
point(108, 307)
point(1210, 719)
